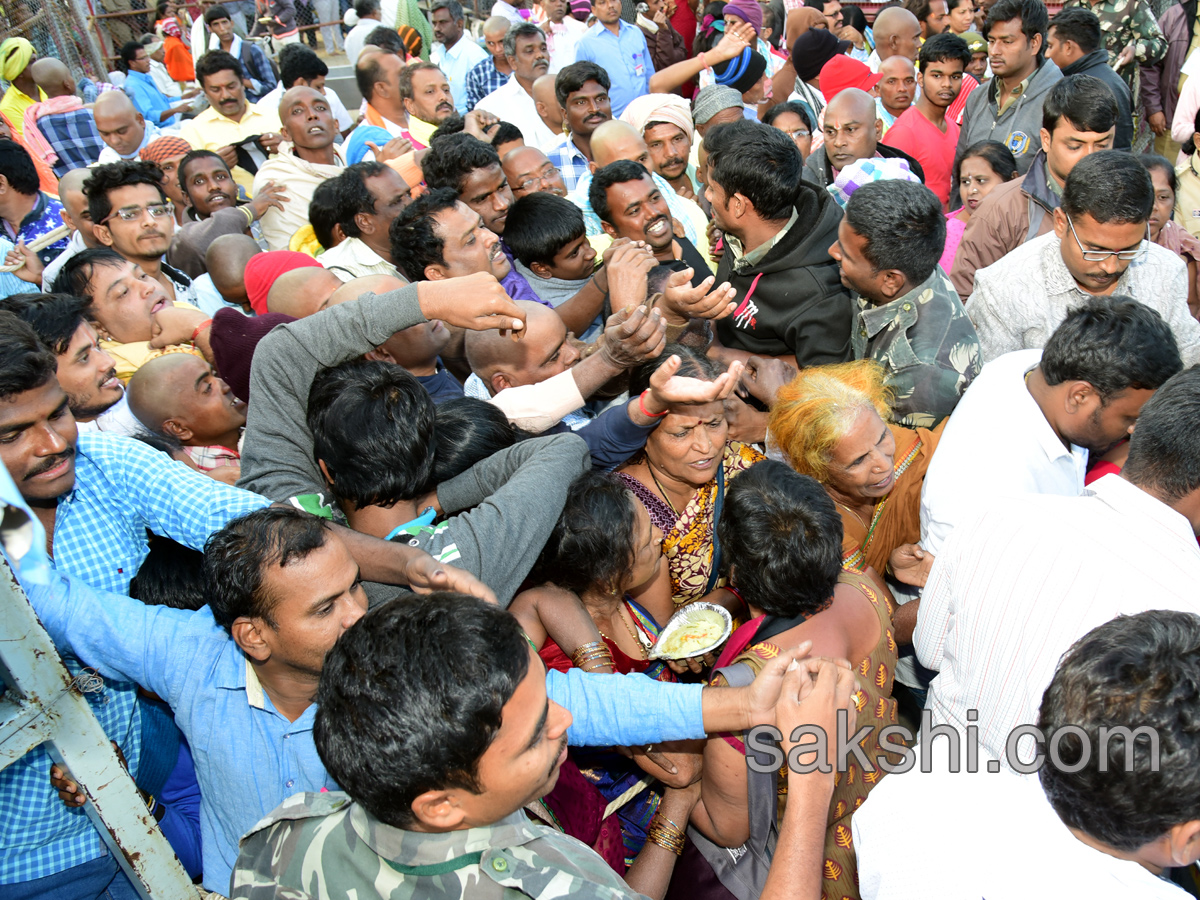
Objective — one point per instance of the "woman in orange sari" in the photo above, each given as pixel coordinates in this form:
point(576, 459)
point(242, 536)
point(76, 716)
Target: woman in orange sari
point(832, 422)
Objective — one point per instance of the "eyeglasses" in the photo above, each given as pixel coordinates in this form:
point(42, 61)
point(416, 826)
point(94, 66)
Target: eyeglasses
point(130, 213)
point(798, 133)
point(1102, 255)
point(543, 176)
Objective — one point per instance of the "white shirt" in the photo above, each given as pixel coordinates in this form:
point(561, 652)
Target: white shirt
point(357, 38)
point(118, 418)
point(510, 103)
point(109, 155)
point(562, 40)
point(965, 836)
point(510, 12)
point(75, 245)
point(164, 81)
point(270, 100)
point(997, 444)
point(455, 63)
point(1013, 589)
point(353, 259)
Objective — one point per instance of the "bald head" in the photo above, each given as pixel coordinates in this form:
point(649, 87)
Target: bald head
point(854, 121)
point(53, 77)
point(496, 27)
point(547, 103)
point(897, 84)
point(179, 395)
point(302, 292)
point(356, 287)
point(120, 125)
point(226, 260)
point(616, 140)
point(852, 104)
point(153, 386)
point(75, 205)
point(897, 33)
point(540, 354)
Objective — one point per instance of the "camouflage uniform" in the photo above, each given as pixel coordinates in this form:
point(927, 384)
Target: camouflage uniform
point(1123, 21)
point(928, 346)
point(324, 846)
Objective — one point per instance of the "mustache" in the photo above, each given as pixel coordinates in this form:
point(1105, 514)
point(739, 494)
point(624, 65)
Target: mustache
point(47, 464)
point(675, 161)
point(654, 222)
point(110, 374)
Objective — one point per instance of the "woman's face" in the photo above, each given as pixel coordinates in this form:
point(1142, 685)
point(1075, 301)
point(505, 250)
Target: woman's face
point(962, 17)
point(689, 443)
point(647, 545)
point(976, 179)
point(1164, 202)
point(861, 467)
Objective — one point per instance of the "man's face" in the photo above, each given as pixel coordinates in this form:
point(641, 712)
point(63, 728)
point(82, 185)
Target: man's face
point(486, 191)
point(1062, 53)
point(941, 81)
point(307, 120)
point(431, 100)
point(669, 147)
point(607, 12)
point(1096, 277)
point(468, 246)
point(495, 45)
point(37, 442)
point(226, 94)
point(978, 67)
point(1097, 426)
point(898, 86)
point(575, 261)
point(833, 15)
point(528, 171)
point(123, 300)
point(87, 375)
point(170, 180)
point(544, 351)
point(446, 31)
point(76, 207)
point(206, 406)
point(939, 18)
point(222, 28)
point(1067, 145)
point(418, 346)
point(1008, 50)
point(523, 761)
point(849, 252)
point(851, 134)
point(140, 63)
point(392, 194)
point(639, 212)
point(588, 108)
point(556, 10)
point(209, 185)
point(160, 54)
point(718, 200)
point(143, 237)
point(320, 596)
point(123, 131)
point(532, 60)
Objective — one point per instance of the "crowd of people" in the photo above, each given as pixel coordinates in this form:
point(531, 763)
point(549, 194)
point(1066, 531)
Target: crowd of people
point(363, 462)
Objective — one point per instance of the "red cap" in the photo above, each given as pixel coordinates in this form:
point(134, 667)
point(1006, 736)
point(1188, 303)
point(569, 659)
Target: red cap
point(842, 72)
point(264, 268)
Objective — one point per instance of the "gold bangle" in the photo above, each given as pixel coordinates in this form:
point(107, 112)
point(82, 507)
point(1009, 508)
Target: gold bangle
point(674, 842)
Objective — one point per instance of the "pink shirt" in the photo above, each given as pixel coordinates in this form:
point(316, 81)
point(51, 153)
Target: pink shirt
point(954, 233)
point(932, 148)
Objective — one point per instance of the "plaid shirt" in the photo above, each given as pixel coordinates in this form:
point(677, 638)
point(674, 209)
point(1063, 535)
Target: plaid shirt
point(570, 162)
point(122, 488)
point(74, 137)
point(482, 80)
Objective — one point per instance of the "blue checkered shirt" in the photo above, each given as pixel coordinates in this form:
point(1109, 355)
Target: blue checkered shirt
point(122, 488)
point(570, 162)
point(482, 80)
point(74, 137)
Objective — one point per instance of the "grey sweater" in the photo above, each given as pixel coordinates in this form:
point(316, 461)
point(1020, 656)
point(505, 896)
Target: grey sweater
point(515, 496)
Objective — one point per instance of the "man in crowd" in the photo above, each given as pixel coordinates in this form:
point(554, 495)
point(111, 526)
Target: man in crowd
point(167, 152)
point(427, 100)
point(924, 131)
point(451, 53)
point(258, 78)
point(61, 126)
point(910, 319)
point(377, 74)
point(665, 121)
point(897, 89)
point(1079, 117)
point(27, 212)
point(563, 32)
point(299, 66)
point(306, 158)
point(231, 119)
point(492, 73)
point(851, 133)
point(897, 33)
point(1075, 45)
point(525, 48)
point(16, 61)
point(778, 230)
point(932, 14)
point(121, 127)
point(581, 91)
point(830, 9)
point(1099, 246)
point(75, 215)
point(152, 103)
point(528, 170)
point(620, 49)
point(1009, 108)
point(368, 197)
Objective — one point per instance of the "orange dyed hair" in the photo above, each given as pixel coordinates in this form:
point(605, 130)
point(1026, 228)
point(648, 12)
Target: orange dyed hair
point(816, 409)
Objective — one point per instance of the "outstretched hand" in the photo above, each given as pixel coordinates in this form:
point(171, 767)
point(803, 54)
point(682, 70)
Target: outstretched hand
point(668, 389)
point(765, 376)
point(633, 335)
point(685, 302)
point(477, 302)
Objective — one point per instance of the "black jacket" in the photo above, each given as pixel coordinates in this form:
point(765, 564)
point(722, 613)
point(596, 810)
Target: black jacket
point(1096, 65)
point(798, 305)
point(820, 168)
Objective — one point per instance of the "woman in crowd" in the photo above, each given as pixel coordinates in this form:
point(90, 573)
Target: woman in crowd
point(1167, 233)
point(783, 534)
point(985, 165)
point(831, 422)
point(681, 478)
point(603, 547)
point(859, 34)
point(793, 120)
point(962, 16)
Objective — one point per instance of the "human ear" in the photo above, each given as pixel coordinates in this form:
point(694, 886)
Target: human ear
point(247, 634)
point(438, 811)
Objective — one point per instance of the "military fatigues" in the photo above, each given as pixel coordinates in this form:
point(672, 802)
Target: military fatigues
point(1125, 21)
point(927, 344)
point(324, 846)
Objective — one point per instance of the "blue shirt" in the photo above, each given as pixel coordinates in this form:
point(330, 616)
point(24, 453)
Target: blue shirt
point(482, 80)
point(122, 488)
point(624, 56)
point(74, 137)
point(456, 63)
point(250, 758)
point(570, 162)
point(149, 100)
point(45, 216)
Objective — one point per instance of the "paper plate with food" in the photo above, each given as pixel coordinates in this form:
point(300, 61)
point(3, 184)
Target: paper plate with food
point(696, 629)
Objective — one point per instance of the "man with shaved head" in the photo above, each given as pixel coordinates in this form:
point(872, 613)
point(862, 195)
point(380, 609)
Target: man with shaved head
point(121, 127)
point(897, 90)
point(528, 170)
point(852, 130)
point(75, 215)
point(59, 127)
point(491, 73)
point(302, 292)
point(226, 260)
point(546, 103)
point(897, 33)
point(307, 157)
point(180, 397)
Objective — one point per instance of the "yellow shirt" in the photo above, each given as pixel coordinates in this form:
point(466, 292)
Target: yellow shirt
point(210, 131)
point(128, 358)
point(13, 106)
